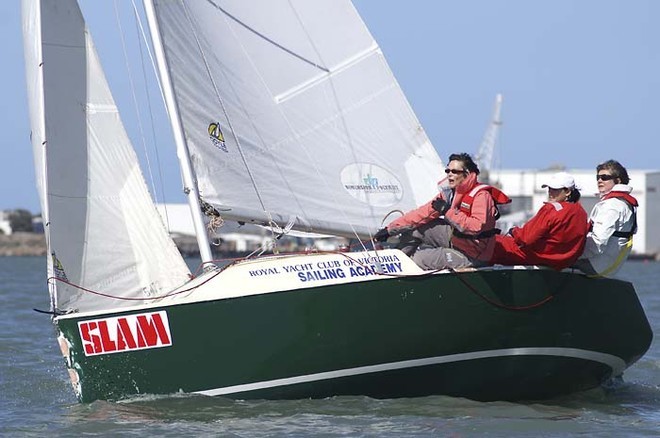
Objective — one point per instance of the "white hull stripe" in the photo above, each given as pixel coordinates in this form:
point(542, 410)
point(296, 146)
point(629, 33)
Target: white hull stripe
point(613, 362)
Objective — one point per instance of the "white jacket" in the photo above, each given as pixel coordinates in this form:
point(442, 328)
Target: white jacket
point(605, 252)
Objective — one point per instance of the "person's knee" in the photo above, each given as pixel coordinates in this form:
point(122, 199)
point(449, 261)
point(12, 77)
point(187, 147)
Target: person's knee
point(585, 266)
point(440, 258)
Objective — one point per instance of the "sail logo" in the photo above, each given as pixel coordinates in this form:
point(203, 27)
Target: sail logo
point(371, 181)
point(125, 333)
point(58, 269)
point(371, 184)
point(217, 137)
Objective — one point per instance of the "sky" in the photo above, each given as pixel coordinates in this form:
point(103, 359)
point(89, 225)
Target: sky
point(580, 82)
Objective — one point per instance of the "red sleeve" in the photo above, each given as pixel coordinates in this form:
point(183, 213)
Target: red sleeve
point(481, 216)
point(535, 229)
point(415, 218)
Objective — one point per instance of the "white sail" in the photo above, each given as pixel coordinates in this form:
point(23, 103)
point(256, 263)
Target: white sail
point(291, 113)
point(104, 233)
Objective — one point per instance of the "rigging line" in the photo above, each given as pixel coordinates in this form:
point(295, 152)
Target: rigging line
point(154, 298)
point(195, 34)
point(297, 135)
point(41, 150)
point(49, 312)
point(159, 167)
point(330, 101)
point(499, 304)
point(458, 275)
point(151, 56)
point(264, 37)
point(262, 143)
point(222, 105)
point(134, 95)
point(44, 184)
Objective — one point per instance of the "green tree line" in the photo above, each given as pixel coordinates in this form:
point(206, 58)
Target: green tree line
point(20, 220)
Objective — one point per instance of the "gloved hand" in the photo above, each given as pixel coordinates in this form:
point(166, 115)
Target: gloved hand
point(440, 205)
point(381, 235)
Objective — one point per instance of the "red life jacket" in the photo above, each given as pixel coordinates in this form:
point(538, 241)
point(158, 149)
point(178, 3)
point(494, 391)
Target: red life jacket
point(630, 200)
point(632, 203)
point(499, 197)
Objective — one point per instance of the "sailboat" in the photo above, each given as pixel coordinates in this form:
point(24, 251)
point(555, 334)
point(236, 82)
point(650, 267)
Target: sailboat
point(285, 114)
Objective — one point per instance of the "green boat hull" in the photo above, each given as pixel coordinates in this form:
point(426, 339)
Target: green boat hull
point(484, 335)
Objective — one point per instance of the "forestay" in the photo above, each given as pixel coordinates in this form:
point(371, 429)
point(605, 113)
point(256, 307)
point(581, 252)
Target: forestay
point(290, 111)
point(103, 231)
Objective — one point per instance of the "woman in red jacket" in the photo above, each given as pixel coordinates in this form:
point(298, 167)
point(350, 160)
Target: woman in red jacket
point(554, 237)
point(455, 229)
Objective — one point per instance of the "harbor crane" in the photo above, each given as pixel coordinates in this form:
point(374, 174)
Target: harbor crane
point(484, 156)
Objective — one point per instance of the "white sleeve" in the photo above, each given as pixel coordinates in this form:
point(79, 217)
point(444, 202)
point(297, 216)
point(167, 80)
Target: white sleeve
point(604, 224)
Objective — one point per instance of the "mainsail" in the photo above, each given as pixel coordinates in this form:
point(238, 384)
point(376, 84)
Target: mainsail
point(292, 115)
point(104, 233)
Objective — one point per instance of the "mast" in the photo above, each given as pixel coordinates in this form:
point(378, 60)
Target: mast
point(190, 184)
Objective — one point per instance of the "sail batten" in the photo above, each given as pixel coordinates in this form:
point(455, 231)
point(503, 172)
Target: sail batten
point(290, 110)
point(286, 95)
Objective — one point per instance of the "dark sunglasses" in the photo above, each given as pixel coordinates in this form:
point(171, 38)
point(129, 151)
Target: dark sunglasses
point(454, 171)
point(604, 177)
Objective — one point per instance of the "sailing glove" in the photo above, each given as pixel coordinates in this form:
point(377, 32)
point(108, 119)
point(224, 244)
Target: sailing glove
point(381, 235)
point(440, 205)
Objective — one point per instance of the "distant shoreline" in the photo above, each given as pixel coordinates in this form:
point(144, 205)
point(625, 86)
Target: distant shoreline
point(22, 244)
point(34, 244)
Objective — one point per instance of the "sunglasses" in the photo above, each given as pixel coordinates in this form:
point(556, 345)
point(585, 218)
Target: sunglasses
point(454, 171)
point(604, 177)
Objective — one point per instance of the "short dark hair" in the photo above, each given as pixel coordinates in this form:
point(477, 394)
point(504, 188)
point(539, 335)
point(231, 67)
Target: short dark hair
point(467, 161)
point(618, 171)
point(574, 196)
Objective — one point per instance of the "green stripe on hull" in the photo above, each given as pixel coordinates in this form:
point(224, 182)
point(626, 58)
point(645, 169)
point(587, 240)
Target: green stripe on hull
point(262, 338)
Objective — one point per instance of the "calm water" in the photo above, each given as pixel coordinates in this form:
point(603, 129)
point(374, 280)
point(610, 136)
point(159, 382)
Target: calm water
point(36, 397)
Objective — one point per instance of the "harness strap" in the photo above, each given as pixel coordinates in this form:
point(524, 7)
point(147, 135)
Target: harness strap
point(619, 259)
point(626, 234)
point(623, 234)
point(634, 215)
point(482, 235)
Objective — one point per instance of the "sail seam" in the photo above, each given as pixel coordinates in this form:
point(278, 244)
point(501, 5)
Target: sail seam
point(66, 46)
point(132, 87)
point(339, 68)
point(335, 101)
point(92, 108)
point(222, 104)
point(265, 38)
point(347, 110)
